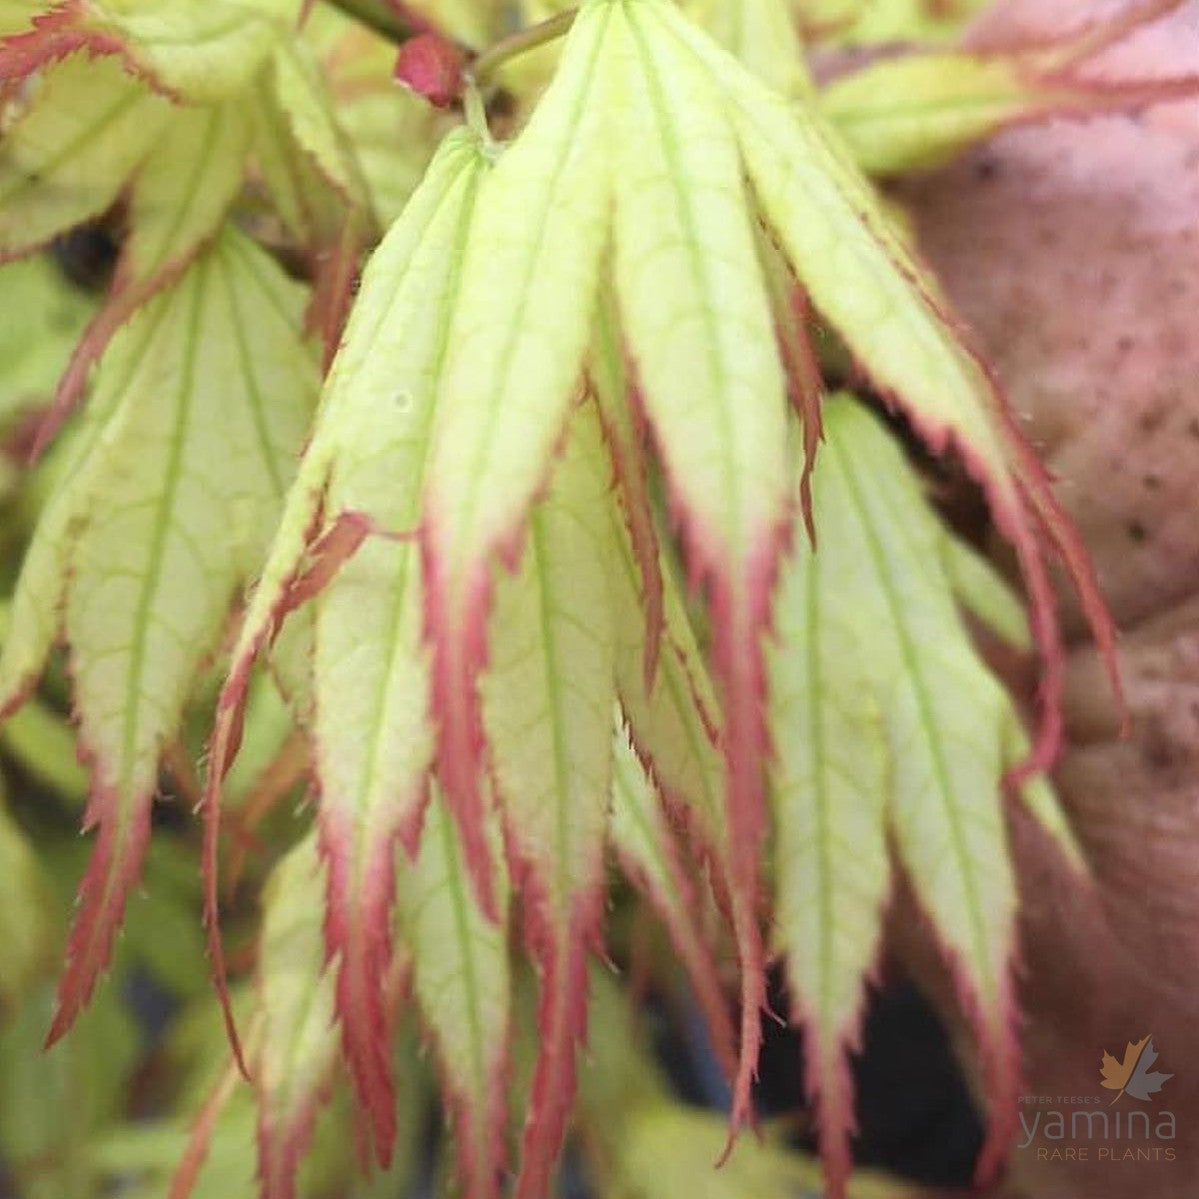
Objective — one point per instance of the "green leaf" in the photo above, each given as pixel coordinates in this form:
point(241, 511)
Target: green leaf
point(861, 277)
point(15, 15)
point(520, 331)
point(298, 1044)
point(674, 718)
point(43, 743)
point(651, 856)
point(393, 133)
point(460, 968)
point(25, 928)
point(86, 1076)
point(75, 468)
point(180, 196)
point(364, 465)
point(200, 51)
point(763, 35)
point(373, 738)
point(553, 645)
point(700, 331)
point(177, 203)
point(69, 153)
point(166, 515)
point(877, 690)
point(43, 318)
point(917, 112)
point(886, 22)
point(829, 779)
point(302, 96)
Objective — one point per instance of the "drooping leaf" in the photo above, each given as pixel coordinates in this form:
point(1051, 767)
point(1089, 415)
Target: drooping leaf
point(674, 719)
point(298, 1041)
point(363, 469)
point(174, 494)
point(75, 467)
point(45, 1155)
point(520, 331)
point(676, 729)
point(701, 336)
point(651, 856)
point(877, 691)
point(627, 438)
point(866, 283)
point(393, 134)
point(460, 971)
point(828, 786)
point(553, 645)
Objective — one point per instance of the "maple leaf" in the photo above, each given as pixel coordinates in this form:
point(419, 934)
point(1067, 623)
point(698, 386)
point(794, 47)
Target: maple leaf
point(1132, 1075)
point(561, 346)
point(369, 672)
point(169, 494)
point(875, 737)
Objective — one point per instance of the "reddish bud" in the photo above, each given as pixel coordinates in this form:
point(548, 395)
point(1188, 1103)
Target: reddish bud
point(431, 66)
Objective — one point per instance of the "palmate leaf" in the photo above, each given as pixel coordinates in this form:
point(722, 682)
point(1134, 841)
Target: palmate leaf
point(553, 646)
point(172, 494)
point(366, 462)
point(698, 324)
point(885, 719)
point(867, 284)
point(298, 1041)
point(461, 976)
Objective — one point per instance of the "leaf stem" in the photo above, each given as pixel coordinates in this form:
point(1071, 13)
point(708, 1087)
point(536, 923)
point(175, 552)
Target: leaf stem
point(516, 43)
point(378, 15)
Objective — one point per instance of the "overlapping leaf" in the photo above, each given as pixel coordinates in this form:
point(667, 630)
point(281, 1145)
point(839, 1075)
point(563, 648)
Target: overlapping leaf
point(651, 856)
point(885, 719)
point(93, 130)
point(866, 283)
point(476, 515)
point(461, 976)
point(71, 151)
point(165, 509)
point(553, 646)
point(365, 465)
point(298, 1040)
point(520, 330)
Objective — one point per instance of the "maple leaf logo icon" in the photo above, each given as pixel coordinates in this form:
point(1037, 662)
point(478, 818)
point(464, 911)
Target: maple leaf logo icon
point(1133, 1076)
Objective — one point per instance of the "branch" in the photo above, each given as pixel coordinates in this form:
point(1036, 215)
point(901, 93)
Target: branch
point(378, 15)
